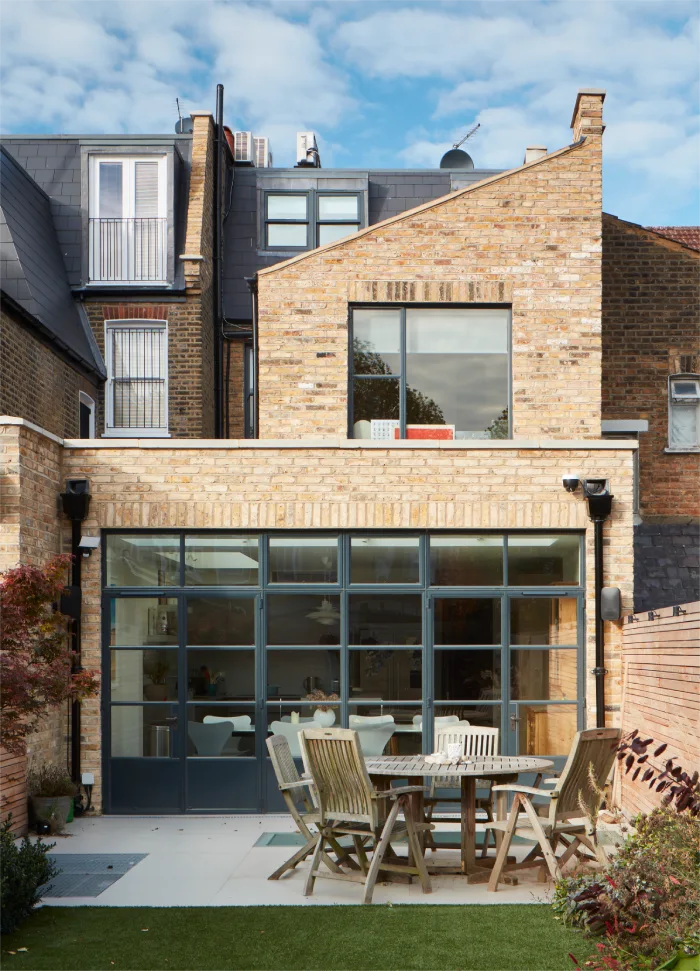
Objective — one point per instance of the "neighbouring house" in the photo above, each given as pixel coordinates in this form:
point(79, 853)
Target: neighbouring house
point(332, 414)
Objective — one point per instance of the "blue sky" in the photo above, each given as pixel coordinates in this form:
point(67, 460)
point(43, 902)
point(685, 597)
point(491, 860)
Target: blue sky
point(383, 84)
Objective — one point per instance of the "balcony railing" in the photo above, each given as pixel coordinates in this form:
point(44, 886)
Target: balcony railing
point(128, 250)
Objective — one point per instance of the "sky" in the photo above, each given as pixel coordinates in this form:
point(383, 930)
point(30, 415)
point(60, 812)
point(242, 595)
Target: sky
point(383, 84)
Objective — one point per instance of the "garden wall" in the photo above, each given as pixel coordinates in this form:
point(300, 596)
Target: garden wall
point(661, 691)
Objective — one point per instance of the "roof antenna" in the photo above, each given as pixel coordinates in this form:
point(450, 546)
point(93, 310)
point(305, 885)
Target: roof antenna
point(457, 158)
point(179, 114)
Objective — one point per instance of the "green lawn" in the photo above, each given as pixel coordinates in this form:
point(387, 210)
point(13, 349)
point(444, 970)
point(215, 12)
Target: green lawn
point(376, 938)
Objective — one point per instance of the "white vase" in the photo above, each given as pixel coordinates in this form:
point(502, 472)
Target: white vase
point(324, 718)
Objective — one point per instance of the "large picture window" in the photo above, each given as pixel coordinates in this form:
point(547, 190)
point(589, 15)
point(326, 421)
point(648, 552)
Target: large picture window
point(431, 373)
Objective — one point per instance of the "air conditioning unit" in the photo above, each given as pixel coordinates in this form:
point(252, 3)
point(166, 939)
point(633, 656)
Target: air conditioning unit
point(306, 142)
point(262, 155)
point(243, 147)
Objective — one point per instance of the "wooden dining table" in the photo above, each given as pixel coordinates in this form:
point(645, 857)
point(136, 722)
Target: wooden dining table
point(503, 769)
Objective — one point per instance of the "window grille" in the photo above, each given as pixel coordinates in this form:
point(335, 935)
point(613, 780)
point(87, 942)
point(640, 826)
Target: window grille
point(138, 377)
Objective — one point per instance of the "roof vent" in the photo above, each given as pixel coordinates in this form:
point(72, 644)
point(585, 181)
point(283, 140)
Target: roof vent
point(533, 152)
point(457, 158)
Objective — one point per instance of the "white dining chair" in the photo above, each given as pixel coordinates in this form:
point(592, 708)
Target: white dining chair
point(208, 739)
point(374, 731)
point(239, 723)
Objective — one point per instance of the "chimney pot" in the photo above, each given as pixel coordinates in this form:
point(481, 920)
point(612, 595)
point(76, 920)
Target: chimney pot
point(534, 151)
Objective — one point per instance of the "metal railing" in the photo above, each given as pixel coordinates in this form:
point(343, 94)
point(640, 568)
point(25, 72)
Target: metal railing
point(128, 250)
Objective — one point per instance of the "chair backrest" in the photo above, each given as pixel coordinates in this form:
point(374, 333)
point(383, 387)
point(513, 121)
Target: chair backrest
point(593, 750)
point(440, 721)
point(370, 721)
point(475, 741)
point(209, 739)
point(333, 758)
point(290, 731)
point(238, 722)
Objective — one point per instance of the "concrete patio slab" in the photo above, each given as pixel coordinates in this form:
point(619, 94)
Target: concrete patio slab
point(212, 861)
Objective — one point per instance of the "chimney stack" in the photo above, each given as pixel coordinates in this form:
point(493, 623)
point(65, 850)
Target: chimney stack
point(587, 118)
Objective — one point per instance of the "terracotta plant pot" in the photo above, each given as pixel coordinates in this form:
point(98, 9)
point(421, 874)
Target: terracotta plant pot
point(155, 692)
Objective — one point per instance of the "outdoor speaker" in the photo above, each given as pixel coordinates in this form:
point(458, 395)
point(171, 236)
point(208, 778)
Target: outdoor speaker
point(610, 603)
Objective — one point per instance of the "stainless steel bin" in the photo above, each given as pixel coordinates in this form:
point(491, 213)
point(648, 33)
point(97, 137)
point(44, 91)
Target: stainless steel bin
point(160, 741)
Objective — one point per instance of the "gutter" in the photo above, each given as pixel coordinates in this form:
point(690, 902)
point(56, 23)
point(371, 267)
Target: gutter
point(216, 263)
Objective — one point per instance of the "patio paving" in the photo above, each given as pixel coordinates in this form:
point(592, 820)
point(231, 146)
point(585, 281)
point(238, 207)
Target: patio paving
point(213, 861)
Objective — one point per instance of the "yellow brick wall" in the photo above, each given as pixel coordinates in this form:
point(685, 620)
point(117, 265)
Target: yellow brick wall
point(531, 239)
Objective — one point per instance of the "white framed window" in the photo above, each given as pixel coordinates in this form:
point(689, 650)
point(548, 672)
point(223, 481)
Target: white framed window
point(684, 412)
point(128, 225)
point(86, 416)
point(136, 394)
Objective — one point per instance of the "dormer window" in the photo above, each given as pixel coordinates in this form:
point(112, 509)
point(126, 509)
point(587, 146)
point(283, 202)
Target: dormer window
point(128, 234)
point(304, 220)
point(684, 412)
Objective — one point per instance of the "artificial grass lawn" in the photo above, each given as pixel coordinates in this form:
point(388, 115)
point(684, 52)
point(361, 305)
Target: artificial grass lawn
point(496, 937)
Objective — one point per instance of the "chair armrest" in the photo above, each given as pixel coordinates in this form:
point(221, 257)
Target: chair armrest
point(301, 784)
point(399, 791)
point(525, 790)
point(551, 782)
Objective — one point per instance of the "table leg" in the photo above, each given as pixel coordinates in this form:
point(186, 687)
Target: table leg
point(417, 800)
point(468, 824)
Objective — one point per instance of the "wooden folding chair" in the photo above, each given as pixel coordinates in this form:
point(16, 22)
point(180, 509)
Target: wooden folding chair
point(350, 806)
point(563, 820)
point(295, 792)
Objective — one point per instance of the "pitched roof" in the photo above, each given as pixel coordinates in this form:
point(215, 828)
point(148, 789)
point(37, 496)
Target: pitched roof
point(32, 272)
point(687, 235)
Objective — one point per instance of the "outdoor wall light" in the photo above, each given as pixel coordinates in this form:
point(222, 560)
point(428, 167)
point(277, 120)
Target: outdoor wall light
point(87, 544)
point(570, 482)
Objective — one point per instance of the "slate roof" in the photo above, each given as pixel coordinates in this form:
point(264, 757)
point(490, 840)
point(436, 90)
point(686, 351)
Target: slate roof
point(687, 235)
point(32, 271)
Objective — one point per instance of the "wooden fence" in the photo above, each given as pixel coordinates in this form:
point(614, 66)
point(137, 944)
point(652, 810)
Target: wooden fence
point(661, 691)
point(13, 789)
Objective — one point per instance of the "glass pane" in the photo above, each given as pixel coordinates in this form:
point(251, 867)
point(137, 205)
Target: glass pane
point(685, 425)
point(338, 207)
point(375, 408)
point(143, 561)
point(221, 560)
point(143, 675)
point(220, 620)
point(387, 730)
point(384, 559)
point(286, 206)
point(538, 561)
point(457, 371)
point(480, 716)
point(218, 731)
point(328, 233)
point(142, 731)
point(136, 621)
point(304, 559)
point(544, 620)
point(289, 720)
point(463, 561)
point(221, 675)
point(468, 674)
point(287, 234)
point(111, 204)
point(303, 619)
point(294, 675)
point(474, 620)
point(546, 729)
point(392, 618)
point(543, 675)
point(386, 675)
point(376, 341)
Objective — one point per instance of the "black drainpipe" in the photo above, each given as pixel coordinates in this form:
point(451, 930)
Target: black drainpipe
point(76, 502)
point(599, 508)
point(252, 282)
point(217, 277)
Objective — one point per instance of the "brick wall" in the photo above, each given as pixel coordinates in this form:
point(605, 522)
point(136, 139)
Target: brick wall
point(36, 383)
point(530, 238)
point(661, 697)
point(234, 361)
point(30, 533)
point(651, 309)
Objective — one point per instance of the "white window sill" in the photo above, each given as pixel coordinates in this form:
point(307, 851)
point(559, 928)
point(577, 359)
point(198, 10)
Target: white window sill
point(689, 450)
point(129, 283)
point(136, 433)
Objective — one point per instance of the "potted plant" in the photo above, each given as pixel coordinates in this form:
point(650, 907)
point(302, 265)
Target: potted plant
point(324, 715)
point(51, 793)
point(155, 669)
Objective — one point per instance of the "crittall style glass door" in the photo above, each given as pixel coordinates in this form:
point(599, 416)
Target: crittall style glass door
point(213, 641)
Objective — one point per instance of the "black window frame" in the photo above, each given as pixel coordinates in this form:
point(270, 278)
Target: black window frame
point(313, 220)
point(401, 375)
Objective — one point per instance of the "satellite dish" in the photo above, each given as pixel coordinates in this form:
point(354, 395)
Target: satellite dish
point(457, 158)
